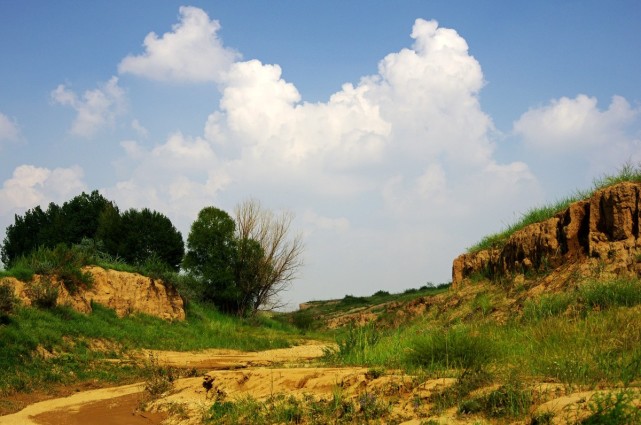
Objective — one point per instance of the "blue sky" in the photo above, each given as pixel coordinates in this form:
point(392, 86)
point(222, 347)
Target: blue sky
point(399, 133)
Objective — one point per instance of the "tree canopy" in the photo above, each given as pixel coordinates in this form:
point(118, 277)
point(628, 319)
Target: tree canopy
point(243, 264)
point(135, 236)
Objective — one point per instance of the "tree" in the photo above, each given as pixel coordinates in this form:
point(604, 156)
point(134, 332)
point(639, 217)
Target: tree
point(67, 224)
point(141, 236)
point(281, 253)
point(211, 256)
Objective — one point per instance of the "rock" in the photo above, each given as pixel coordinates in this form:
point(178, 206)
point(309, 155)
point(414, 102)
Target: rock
point(604, 227)
point(123, 292)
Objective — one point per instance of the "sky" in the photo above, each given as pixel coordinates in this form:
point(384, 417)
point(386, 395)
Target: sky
point(398, 133)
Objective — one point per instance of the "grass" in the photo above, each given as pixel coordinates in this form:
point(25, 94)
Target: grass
point(628, 172)
point(283, 409)
point(68, 335)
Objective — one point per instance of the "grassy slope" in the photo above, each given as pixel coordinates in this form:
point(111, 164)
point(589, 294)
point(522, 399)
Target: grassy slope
point(70, 336)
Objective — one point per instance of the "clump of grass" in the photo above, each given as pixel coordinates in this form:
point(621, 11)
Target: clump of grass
point(354, 344)
point(628, 172)
point(550, 305)
point(619, 292)
point(455, 348)
point(282, 409)
point(468, 381)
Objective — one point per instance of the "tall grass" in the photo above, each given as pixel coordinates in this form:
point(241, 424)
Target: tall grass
point(628, 172)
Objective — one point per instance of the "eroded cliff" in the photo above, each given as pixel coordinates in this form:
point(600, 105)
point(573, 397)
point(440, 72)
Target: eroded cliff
point(123, 292)
point(603, 230)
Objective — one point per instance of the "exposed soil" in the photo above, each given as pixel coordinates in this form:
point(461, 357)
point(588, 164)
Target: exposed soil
point(262, 374)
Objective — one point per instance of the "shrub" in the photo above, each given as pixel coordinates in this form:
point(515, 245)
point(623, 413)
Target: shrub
point(303, 320)
point(43, 293)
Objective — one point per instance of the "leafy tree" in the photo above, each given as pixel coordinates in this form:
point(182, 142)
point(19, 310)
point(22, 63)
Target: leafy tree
point(68, 224)
point(211, 255)
point(141, 236)
point(136, 236)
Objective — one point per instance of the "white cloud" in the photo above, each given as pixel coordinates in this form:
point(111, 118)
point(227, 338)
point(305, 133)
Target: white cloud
point(404, 158)
point(192, 52)
point(30, 186)
point(570, 125)
point(8, 128)
point(178, 177)
point(95, 109)
point(139, 129)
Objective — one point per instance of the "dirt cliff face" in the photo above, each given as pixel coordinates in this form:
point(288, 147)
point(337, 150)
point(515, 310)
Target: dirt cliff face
point(123, 292)
point(602, 229)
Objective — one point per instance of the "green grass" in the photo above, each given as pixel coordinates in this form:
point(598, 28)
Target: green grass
point(67, 333)
point(626, 173)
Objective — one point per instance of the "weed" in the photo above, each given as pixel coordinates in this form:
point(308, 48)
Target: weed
point(303, 320)
point(510, 400)
point(375, 372)
point(545, 418)
point(469, 381)
point(613, 409)
point(159, 379)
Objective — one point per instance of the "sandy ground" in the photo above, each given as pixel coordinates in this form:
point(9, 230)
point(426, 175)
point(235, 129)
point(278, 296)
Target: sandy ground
point(259, 374)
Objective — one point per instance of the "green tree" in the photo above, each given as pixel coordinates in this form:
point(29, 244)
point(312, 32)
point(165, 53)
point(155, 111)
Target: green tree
point(211, 253)
point(67, 224)
point(141, 236)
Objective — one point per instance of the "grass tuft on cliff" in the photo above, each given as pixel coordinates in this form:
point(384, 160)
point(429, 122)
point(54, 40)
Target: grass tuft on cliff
point(627, 173)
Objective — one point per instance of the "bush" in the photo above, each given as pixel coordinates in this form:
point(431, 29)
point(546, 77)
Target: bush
point(43, 293)
point(455, 348)
point(303, 320)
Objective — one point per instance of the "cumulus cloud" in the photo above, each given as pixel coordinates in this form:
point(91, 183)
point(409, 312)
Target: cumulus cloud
point(421, 108)
point(566, 125)
point(403, 157)
point(178, 177)
point(30, 186)
point(191, 52)
point(95, 108)
point(8, 128)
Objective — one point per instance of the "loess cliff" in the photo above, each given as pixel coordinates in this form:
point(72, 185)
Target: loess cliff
point(600, 233)
point(126, 293)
